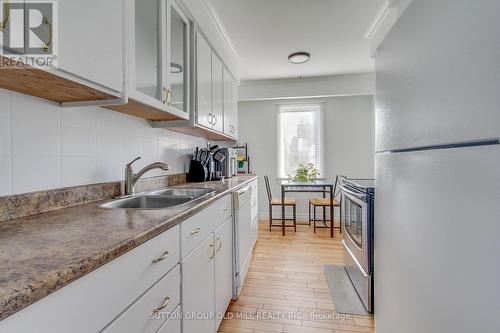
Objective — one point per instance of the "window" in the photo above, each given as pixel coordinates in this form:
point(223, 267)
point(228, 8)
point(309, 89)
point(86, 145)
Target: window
point(300, 139)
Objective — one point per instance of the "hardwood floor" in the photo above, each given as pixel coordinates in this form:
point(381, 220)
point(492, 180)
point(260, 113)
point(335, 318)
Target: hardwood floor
point(286, 290)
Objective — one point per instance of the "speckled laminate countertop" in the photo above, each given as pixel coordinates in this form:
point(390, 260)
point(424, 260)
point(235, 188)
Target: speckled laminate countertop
point(42, 253)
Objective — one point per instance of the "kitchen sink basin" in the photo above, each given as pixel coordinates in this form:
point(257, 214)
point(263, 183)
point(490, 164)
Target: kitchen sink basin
point(158, 199)
point(147, 202)
point(190, 192)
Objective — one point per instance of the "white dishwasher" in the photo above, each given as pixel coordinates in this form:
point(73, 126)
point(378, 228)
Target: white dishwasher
point(244, 237)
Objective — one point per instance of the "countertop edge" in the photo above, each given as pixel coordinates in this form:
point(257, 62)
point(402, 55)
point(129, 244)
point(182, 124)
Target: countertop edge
point(55, 280)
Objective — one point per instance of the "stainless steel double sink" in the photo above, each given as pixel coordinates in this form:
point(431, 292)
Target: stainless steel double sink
point(158, 199)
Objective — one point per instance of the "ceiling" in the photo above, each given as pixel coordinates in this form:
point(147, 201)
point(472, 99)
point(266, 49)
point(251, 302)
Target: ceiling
point(265, 32)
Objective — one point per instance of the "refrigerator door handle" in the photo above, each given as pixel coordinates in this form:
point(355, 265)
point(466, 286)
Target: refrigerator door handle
point(357, 195)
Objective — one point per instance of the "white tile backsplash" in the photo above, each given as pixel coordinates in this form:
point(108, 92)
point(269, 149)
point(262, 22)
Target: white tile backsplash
point(35, 173)
point(4, 126)
point(35, 139)
point(131, 148)
point(81, 117)
point(109, 121)
point(77, 141)
point(33, 109)
point(44, 146)
point(79, 170)
point(5, 176)
point(149, 146)
point(109, 157)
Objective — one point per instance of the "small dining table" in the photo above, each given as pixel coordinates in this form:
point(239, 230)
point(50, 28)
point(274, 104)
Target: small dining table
point(317, 186)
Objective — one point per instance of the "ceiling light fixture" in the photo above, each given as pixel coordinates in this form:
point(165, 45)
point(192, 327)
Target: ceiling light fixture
point(299, 57)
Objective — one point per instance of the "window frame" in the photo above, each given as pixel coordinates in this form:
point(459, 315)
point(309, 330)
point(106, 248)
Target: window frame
point(315, 107)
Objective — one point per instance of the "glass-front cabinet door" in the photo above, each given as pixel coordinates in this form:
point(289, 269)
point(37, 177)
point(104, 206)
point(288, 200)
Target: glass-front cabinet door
point(160, 60)
point(147, 80)
point(177, 60)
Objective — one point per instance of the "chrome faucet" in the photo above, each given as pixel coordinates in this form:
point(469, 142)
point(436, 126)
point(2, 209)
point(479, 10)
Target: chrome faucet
point(131, 178)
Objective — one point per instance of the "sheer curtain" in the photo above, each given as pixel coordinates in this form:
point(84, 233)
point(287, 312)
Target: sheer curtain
point(300, 138)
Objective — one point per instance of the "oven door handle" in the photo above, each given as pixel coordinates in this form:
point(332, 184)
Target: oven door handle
point(357, 195)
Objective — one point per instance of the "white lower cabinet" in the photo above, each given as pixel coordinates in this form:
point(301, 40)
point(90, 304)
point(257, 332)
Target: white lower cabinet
point(198, 294)
point(223, 269)
point(207, 281)
point(255, 210)
point(207, 267)
point(188, 268)
point(91, 302)
point(173, 324)
point(152, 309)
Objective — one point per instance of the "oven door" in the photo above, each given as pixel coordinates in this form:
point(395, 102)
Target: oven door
point(355, 226)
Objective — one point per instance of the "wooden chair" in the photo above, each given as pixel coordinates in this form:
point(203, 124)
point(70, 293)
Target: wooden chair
point(289, 202)
point(324, 203)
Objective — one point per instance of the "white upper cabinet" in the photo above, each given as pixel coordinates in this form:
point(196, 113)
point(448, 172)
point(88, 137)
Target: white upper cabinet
point(91, 40)
point(79, 47)
point(209, 86)
point(177, 74)
point(213, 113)
point(230, 105)
point(146, 63)
point(217, 98)
point(158, 61)
point(203, 82)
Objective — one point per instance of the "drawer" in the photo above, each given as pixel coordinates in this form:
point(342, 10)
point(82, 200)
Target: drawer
point(255, 200)
point(173, 324)
point(92, 301)
point(163, 297)
point(197, 228)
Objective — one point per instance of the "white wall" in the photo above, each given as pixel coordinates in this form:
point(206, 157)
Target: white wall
point(348, 133)
point(44, 146)
point(308, 87)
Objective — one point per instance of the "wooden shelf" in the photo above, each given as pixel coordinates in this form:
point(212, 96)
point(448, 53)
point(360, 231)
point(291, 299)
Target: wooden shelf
point(135, 108)
point(202, 132)
point(44, 84)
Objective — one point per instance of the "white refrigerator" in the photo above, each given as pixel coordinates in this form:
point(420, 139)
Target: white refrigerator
point(437, 205)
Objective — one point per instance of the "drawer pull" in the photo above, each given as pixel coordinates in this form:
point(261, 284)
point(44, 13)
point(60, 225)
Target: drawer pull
point(162, 306)
point(212, 255)
point(226, 209)
point(196, 231)
point(220, 244)
point(163, 257)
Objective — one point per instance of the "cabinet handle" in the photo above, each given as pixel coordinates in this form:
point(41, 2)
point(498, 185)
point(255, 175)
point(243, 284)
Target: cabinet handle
point(46, 45)
point(226, 209)
point(170, 97)
point(162, 257)
point(6, 15)
point(196, 231)
point(210, 118)
point(215, 122)
point(220, 244)
point(162, 306)
point(211, 247)
point(166, 95)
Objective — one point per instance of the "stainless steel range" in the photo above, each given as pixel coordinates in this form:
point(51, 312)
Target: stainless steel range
point(357, 212)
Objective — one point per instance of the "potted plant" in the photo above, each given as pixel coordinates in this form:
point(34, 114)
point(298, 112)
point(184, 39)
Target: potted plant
point(305, 173)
